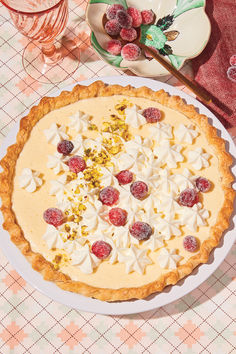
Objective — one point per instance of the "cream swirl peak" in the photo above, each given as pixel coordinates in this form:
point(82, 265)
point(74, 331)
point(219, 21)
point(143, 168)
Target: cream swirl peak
point(161, 131)
point(186, 134)
point(58, 163)
point(55, 134)
point(79, 122)
point(84, 259)
point(168, 258)
point(30, 180)
point(135, 259)
point(198, 158)
point(134, 117)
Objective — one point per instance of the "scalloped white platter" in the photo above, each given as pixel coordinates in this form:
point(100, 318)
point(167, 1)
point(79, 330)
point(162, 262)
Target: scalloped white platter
point(170, 293)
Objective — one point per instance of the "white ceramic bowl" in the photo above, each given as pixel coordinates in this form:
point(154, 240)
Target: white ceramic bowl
point(187, 17)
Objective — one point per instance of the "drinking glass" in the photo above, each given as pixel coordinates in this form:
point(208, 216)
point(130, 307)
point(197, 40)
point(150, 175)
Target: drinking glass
point(44, 58)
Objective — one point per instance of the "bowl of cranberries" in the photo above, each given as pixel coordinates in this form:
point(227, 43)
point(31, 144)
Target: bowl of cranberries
point(177, 30)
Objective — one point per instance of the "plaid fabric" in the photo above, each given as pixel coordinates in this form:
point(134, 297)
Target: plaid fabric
point(201, 322)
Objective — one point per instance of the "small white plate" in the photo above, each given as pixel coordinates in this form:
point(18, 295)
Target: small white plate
point(171, 293)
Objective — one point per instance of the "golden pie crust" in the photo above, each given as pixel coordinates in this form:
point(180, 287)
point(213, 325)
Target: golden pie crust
point(99, 89)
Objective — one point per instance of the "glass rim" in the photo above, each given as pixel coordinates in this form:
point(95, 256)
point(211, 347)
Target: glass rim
point(30, 13)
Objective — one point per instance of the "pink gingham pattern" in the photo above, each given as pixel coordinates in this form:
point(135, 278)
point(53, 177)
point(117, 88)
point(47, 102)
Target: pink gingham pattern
point(200, 322)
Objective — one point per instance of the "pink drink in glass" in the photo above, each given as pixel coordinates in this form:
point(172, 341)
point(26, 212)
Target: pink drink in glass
point(42, 21)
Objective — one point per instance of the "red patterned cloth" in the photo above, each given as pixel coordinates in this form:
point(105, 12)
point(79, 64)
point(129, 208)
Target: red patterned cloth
point(210, 68)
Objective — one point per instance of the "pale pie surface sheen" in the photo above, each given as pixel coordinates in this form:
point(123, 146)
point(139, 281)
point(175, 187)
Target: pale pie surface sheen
point(29, 207)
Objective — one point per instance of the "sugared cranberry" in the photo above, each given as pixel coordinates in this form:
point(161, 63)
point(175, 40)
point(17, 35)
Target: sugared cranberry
point(128, 35)
point(76, 164)
point(124, 19)
point(112, 27)
point(141, 230)
point(101, 249)
point(188, 197)
point(112, 10)
point(139, 189)
point(114, 47)
point(203, 184)
point(147, 17)
point(136, 16)
point(190, 243)
point(118, 216)
point(109, 195)
point(130, 52)
point(231, 73)
point(232, 60)
point(65, 147)
point(152, 114)
point(53, 216)
point(124, 177)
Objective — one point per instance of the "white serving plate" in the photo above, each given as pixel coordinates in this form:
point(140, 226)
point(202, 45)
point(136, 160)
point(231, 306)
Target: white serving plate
point(170, 293)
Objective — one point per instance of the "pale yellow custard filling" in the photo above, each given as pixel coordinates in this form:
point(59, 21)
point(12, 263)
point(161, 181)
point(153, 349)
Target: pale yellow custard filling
point(29, 207)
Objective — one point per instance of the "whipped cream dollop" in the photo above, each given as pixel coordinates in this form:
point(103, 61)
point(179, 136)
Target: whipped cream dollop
point(79, 122)
point(148, 216)
point(57, 162)
point(184, 180)
point(94, 216)
point(123, 238)
point(148, 172)
point(146, 169)
point(135, 259)
point(93, 144)
point(108, 176)
point(198, 158)
point(194, 217)
point(30, 180)
point(58, 187)
point(155, 241)
point(84, 259)
point(53, 237)
point(168, 258)
point(55, 134)
point(168, 204)
point(138, 146)
point(150, 203)
point(169, 154)
point(124, 161)
point(126, 199)
point(168, 227)
point(165, 182)
point(134, 117)
point(74, 245)
point(115, 254)
point(74, 193)
point(78, 143)
point(160, 132)
point(186, 134)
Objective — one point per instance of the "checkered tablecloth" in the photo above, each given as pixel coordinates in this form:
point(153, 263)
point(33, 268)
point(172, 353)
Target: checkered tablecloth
point(201, 322)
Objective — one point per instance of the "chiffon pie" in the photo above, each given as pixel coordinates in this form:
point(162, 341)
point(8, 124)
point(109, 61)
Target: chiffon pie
point(115, 192)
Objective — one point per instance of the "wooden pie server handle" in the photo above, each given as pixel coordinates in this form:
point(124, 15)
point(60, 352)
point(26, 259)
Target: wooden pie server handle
point(199, 92)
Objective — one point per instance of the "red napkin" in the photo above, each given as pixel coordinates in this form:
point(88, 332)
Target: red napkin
point(210, 67)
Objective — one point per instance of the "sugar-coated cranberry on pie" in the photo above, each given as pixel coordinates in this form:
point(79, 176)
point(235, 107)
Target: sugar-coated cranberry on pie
point(115, 192)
